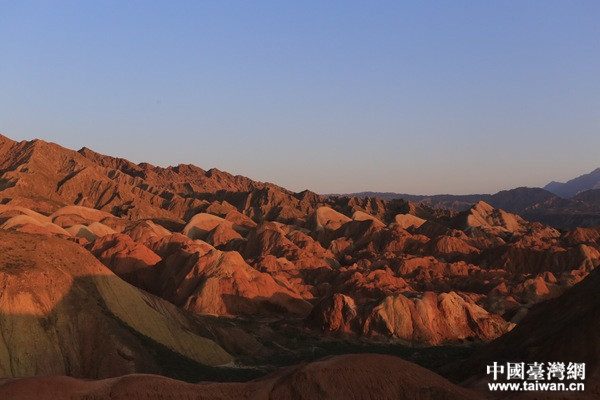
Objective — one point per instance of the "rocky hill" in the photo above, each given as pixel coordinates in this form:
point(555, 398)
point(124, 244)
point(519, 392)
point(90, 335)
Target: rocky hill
point(109, 267)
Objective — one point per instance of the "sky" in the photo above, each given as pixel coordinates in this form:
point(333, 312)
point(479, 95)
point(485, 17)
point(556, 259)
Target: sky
point(418, 97)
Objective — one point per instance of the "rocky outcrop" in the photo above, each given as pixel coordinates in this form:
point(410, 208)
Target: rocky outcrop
point(488, 219)
point(337, 313)
point(132, 261)
point(433, 318)
point(406, 221)
point(325, 218)
point(222, 283)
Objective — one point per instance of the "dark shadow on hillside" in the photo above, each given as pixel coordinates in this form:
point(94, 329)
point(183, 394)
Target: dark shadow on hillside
point(81, 337)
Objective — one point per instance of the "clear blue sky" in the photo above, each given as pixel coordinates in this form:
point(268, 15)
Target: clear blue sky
point(334, 96)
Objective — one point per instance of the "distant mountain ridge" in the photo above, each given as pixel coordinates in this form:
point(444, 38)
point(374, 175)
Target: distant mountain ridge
point(45, 176)
point(513, 200)
point(576, 185)
point(566, 190)
point(563, 205)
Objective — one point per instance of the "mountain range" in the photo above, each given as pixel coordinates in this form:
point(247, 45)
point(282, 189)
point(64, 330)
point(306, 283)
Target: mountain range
point(575, 186)
point(124, 280)
point(562, 205)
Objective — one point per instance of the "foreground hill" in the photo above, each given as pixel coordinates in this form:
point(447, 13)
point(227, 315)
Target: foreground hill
point(63, 312)
point(353, 376)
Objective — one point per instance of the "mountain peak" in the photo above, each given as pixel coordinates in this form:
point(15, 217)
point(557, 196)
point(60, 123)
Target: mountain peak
point(4, 139)
point(576, 185)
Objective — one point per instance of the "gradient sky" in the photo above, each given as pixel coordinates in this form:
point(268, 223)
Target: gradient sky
point(334, 96)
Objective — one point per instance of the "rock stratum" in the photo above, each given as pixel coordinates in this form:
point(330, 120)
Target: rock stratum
point(110, 268)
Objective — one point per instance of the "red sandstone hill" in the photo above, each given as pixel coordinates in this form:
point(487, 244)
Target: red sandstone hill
point(45, 175)
point(63, 312)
